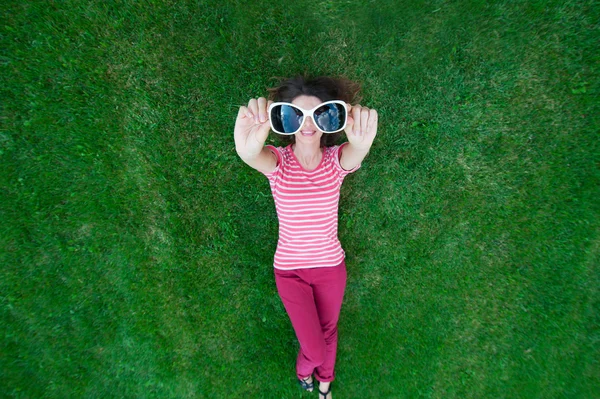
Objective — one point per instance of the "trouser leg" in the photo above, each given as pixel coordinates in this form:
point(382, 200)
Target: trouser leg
point(328, 291)
point(298, 300)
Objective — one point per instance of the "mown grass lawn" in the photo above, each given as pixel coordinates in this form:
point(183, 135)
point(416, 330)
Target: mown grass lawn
point(136, 247)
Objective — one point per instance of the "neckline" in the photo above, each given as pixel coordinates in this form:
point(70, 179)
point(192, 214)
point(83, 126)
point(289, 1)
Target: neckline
point(300, 164)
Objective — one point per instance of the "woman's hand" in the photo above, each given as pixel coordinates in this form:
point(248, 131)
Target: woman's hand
point(252, 127)
point(361, 127)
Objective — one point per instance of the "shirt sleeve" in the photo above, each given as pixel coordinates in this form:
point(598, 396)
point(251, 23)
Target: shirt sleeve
point(274, 174)
point(337, 155)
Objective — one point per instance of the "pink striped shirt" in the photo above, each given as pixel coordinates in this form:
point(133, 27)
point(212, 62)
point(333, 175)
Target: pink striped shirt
point(307, 209)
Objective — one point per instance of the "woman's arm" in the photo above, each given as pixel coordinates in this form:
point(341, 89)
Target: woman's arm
point(361, 129)
point(351, 156)
point(264, 162)
point(250, 133)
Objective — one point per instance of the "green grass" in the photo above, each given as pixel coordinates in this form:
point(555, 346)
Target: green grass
point(136, 247)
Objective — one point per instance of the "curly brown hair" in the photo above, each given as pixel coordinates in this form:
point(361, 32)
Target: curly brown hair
point(325, 88)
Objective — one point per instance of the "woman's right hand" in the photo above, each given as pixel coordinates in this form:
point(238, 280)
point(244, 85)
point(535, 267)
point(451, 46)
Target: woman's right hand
point(252, 127)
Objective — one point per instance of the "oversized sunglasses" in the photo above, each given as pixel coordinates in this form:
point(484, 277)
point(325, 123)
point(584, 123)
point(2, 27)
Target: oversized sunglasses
point(329, 117)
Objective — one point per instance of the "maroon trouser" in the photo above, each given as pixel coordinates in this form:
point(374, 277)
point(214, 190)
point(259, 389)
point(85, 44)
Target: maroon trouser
point(313, 299)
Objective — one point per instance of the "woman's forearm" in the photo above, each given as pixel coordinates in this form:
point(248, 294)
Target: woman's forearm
point(352, 156)
point(265, 161)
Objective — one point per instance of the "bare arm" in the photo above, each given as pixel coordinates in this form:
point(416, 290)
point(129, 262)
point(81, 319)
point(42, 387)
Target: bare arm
point(250, 133)
point(352, 157)
point(265, 161)
point(360, 130)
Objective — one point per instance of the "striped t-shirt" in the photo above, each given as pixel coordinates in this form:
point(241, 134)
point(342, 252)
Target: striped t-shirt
point(307, 209)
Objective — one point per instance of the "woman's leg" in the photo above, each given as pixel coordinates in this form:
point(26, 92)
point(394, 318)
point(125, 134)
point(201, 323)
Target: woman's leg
point(328, 290)
point(297, 297)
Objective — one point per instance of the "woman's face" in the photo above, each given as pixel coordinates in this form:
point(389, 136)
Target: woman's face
point(308, 134)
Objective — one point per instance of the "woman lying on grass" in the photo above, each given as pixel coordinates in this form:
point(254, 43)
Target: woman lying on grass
point(305, 179)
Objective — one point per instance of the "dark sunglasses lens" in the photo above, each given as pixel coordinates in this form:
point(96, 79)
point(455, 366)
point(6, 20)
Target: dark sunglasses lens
point(330, 117)
point(286, 119)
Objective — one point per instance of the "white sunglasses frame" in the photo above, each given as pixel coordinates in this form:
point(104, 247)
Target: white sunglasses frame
point(309, 113)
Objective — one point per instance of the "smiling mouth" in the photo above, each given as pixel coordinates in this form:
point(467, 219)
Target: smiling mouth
point(308, 133)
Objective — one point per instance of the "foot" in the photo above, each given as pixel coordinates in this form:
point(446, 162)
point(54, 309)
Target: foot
point(307, 383)
point(325, 390)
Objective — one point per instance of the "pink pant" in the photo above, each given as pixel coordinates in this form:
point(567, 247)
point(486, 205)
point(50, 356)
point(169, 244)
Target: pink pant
point(313, 299)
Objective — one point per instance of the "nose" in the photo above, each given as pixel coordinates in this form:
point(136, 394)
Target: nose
point(309, 124)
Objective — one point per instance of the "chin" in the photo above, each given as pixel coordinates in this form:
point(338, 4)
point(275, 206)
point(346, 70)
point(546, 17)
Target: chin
point(308, 139)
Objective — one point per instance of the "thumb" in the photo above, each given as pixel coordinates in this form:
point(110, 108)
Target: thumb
point(349, 124)
point(262, 131)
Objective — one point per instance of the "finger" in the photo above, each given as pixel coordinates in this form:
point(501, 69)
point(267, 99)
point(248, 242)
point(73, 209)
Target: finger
point(373, 117)
point(348, 108)
point(364, 119)
point(349, 119)
point(349, 125)
point(263, 132)
point(253, 107)
point(243, 112)
point(268, 114)
point(357, 121)
point(262, 109)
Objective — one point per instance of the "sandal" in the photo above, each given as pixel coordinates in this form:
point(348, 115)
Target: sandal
point(309, 386)
point(325, 393)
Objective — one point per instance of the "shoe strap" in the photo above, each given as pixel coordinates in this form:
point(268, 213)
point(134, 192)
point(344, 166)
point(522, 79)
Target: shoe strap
point(325, 393)
point(305, 384)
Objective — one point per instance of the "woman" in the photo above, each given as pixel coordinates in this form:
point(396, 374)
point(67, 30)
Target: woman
point(305, 179)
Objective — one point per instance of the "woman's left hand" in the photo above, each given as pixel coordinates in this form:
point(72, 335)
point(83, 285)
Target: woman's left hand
point(361, 126)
